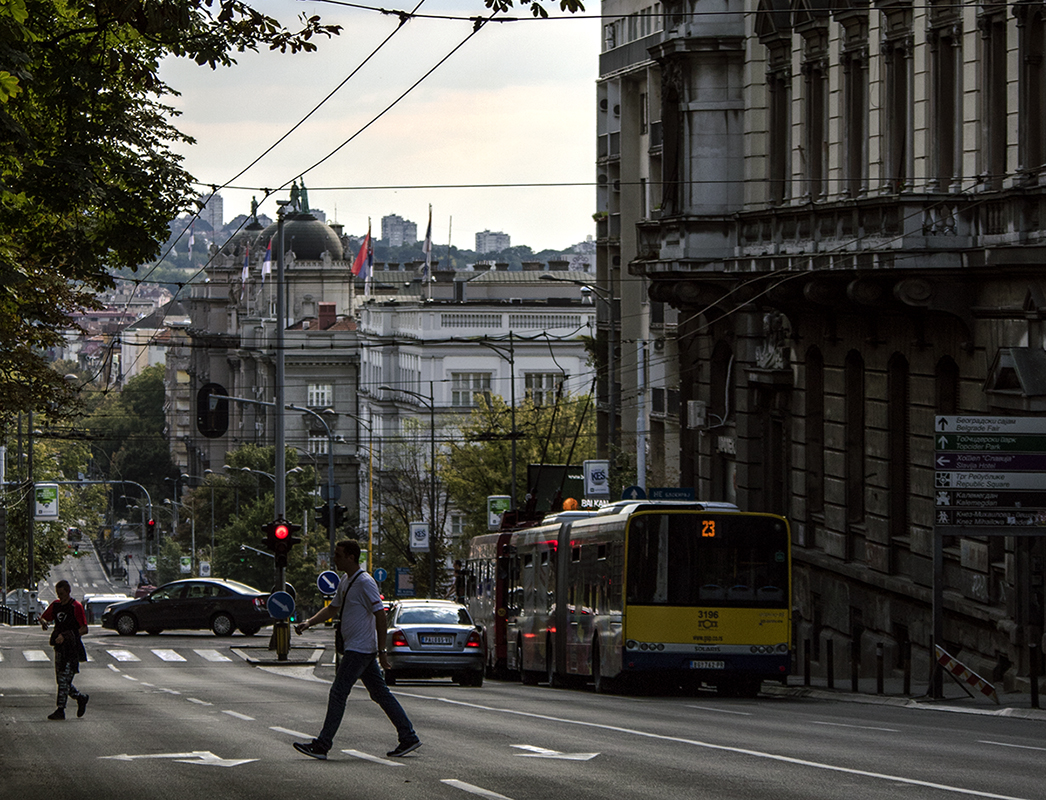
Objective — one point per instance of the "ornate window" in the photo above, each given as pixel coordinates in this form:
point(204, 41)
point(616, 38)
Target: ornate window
point(945, 40)
point(897, 49)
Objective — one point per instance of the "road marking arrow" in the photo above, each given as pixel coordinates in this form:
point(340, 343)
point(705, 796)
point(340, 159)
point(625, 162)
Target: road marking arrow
point(541, 752)
point(195, 757)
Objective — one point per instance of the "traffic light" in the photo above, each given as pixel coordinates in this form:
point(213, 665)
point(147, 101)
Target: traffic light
point(150, 528)
point(323, 515)
point(280, 538)
point(339, 515)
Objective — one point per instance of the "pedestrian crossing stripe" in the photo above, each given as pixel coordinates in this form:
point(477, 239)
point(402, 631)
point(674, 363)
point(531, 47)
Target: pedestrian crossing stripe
point(35, 655)
point(211, 655)
point(123, 655)
point(168, 655)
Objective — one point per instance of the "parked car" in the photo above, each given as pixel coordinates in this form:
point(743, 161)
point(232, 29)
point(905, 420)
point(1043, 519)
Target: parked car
point(431, 639)
point(195, 604)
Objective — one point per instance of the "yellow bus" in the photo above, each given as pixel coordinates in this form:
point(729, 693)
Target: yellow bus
point(640, 591)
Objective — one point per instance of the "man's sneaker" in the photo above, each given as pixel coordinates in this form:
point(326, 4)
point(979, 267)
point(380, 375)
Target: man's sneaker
point(403, 748)
point(81, 704)
point(311, 749)
point(58, 714)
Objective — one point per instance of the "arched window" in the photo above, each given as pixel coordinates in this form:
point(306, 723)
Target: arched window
point(946, 386)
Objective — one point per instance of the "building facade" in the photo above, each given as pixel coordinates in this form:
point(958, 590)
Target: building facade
point(231, 341)
point(397, 232)
point(849, 225)
point(639, 389)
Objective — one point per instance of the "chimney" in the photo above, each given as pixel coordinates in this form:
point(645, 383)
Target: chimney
point(533, 266)
point(501, 266)
point(327, 315)
point(558, 264)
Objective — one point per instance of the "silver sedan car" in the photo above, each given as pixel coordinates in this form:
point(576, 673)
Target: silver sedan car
point(432, 639)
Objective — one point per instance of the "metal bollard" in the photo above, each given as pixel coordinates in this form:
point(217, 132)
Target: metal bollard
point(1033, 673)
point(906, 655)
point(855, 654)
point(879, 667)
point(830, 662)
point(806, 662)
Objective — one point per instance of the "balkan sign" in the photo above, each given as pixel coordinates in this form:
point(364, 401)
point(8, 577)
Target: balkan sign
point(990, 471)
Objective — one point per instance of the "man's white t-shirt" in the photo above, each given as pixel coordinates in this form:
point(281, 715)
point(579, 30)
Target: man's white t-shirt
point(357, 617)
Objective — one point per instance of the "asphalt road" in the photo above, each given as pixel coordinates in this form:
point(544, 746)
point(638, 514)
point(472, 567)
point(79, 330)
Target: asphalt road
point(184, 715)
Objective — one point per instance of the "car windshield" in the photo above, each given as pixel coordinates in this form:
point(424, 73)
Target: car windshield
point(433, 616)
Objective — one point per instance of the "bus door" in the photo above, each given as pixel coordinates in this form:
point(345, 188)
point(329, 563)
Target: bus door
point(560, 620)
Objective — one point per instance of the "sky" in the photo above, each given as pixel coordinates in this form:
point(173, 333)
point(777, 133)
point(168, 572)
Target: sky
point(514, 105)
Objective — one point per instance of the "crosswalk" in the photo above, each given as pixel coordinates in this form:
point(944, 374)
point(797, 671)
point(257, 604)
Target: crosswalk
point(117, 655)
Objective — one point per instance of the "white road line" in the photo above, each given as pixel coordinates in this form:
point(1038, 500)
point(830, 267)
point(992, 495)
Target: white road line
point(722, 710)
point(1019, 746)
point(123, 655)
point(801, 762)
point(199, 702)
point(289, 732)
point(113, 667)
point(168, 691)
point(375, 759)
point(167, 655)
point(858, 727)
point(1, 655)
point(468, 787)
point(211, 655)
point(129, 677)
point(35, 655)
point(238, 715)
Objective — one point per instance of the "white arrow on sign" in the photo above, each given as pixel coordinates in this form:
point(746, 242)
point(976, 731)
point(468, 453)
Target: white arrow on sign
point(195, 757)
point(541, 752)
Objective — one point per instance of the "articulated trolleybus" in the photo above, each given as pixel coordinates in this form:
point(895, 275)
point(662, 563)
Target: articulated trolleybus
point(647, 591)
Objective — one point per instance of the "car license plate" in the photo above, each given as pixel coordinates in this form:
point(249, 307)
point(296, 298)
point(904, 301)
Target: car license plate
point(707, 665)
point(437, 639)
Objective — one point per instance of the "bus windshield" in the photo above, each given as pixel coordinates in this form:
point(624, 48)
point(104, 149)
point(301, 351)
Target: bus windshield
point(695, 559)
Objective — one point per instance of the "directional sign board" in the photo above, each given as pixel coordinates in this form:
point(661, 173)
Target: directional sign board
point(280, 605)
point(990, 471)
point(327, 582)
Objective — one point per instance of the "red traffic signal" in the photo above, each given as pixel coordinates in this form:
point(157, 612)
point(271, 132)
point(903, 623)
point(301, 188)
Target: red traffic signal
point(280, 538)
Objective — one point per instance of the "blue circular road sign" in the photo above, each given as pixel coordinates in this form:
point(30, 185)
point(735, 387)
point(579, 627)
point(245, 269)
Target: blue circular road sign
point(633, 493)
point(327, 582)
point(380, 574)
point(280, 605)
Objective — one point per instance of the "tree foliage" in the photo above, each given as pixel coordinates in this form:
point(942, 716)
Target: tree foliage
point(478, 463)
point(88, 177)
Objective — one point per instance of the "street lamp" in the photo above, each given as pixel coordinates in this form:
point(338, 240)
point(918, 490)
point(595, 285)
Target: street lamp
point(431, 403)
point(607, 296)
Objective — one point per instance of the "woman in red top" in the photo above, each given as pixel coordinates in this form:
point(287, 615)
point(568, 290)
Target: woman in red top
point(70, 624)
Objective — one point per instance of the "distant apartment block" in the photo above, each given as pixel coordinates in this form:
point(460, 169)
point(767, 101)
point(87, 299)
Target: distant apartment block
point(492, 242)
point(396, 231)
point(213, 210)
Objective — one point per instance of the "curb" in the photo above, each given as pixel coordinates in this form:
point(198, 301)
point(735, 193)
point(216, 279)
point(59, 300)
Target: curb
point(901, 702)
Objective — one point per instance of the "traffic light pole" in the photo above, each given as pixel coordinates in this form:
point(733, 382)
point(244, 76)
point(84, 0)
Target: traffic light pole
point(281, 628)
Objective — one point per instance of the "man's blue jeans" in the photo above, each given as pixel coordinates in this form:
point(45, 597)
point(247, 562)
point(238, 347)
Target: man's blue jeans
point(363, 667)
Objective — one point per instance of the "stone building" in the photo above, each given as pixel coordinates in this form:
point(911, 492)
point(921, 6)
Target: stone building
point(231, 342)
point(849, 221)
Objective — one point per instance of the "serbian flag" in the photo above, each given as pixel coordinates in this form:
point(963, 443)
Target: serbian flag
point(427, 247)
point(361, 267)
point(267, 263)
point(192, 236)
point(246, 273)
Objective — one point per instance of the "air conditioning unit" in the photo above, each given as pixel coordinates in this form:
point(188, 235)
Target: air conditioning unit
point(696, 414)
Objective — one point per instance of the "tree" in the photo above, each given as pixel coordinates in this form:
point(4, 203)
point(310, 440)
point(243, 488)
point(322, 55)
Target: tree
point(479, 460)
point(89, 179)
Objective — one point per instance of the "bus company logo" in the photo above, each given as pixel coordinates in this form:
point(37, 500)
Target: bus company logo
point(708, 624)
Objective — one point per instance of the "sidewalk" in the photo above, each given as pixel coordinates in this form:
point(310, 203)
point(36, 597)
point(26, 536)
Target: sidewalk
point(1011, 704)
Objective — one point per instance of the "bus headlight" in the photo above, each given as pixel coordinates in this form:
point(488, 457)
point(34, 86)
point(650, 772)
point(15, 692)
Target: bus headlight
point(631, 644)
